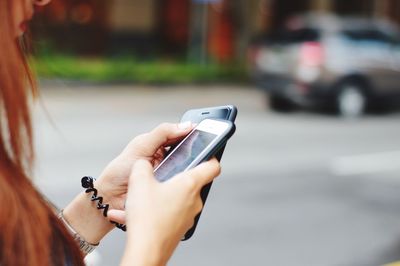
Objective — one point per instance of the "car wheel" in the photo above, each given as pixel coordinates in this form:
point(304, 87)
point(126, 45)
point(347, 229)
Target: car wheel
point(351, 100)
point(280, 104)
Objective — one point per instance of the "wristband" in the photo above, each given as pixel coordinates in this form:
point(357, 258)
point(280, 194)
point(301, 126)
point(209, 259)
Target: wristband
point(87, 183)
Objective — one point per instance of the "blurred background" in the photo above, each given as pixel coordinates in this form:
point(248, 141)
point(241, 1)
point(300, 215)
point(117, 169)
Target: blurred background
point(311, 176)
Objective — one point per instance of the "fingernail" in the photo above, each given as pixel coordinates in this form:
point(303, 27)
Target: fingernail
point(185, 125)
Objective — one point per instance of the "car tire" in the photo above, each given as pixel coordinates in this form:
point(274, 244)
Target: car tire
point(280, 104)
point(351, 100)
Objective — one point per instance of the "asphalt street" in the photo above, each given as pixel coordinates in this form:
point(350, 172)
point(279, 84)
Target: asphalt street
point(298, 189)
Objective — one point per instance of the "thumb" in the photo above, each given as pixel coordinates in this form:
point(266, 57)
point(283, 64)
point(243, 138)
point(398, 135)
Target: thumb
point(203, 174)
point(142, 171)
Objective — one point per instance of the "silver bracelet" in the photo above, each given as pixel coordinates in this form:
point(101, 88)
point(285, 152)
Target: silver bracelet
point(84, 246)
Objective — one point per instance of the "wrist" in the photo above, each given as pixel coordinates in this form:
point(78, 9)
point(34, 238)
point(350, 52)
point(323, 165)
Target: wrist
point(146, 246)
point(140, 253)
point(84, 245)
point(86, 219)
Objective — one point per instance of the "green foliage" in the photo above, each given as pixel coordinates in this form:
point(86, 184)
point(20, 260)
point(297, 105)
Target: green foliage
point(130, 70)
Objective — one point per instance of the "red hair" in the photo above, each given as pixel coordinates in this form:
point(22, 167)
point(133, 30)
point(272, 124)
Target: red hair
point(31, 234)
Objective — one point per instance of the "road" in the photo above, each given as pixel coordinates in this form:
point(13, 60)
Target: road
point(298, 189)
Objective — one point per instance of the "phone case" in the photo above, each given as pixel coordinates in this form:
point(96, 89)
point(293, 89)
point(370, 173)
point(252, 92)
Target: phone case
point(226, 112)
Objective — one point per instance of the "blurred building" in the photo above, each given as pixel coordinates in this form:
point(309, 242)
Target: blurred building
point(219, 29)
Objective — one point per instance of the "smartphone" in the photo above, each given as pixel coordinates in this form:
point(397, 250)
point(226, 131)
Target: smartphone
point(198, 146)
point(224, 112)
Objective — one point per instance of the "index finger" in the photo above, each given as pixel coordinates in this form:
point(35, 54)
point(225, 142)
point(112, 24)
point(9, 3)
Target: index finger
point(165, 135)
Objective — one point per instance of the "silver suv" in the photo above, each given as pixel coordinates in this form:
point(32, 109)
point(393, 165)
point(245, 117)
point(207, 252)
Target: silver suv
point(349, 63)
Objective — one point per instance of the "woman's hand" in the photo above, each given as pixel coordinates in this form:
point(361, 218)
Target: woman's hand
point(112, 185)
point(113, 182)
point(159, 214)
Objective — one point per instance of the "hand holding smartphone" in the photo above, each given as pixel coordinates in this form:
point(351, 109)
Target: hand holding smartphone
point(226, 113)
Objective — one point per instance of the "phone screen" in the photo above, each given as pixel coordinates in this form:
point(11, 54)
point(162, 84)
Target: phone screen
point(184, 154)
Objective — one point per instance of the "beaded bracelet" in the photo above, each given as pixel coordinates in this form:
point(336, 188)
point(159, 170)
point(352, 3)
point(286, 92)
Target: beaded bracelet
point(87, 183)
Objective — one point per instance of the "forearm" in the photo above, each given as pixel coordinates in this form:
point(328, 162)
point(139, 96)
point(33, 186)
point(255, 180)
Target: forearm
point(86, 219)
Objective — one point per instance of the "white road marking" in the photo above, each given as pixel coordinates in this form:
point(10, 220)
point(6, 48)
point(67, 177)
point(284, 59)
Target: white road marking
point(366, 163)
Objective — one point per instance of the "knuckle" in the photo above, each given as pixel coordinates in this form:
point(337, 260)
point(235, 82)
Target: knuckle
point(139, 164)
point(217, 167)
point(190, 183)
point(138, 139)
point(163, 127)
point(189, 224)
point(198, 206)
point(214, 168)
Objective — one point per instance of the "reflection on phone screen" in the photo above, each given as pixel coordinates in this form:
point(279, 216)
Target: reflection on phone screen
point(184, 155)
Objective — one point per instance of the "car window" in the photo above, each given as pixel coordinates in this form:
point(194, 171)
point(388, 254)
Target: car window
point(370, 36)
point(302, 35)
point(286, 36)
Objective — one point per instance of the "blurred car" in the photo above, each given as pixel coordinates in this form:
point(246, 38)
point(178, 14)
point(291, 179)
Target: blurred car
point(349, 63)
